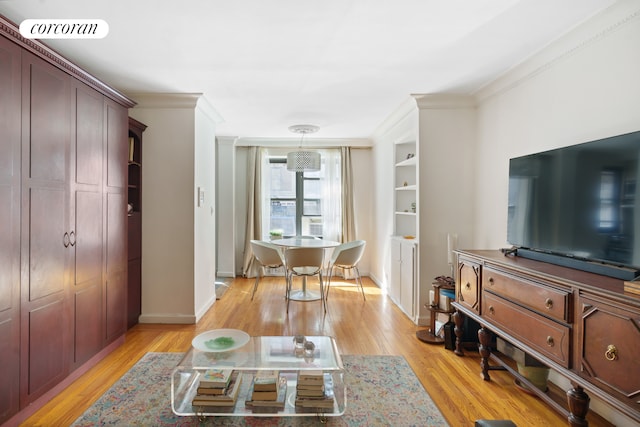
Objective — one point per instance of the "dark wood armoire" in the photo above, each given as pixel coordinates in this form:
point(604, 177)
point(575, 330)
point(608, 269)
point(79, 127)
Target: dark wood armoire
point(63, 215)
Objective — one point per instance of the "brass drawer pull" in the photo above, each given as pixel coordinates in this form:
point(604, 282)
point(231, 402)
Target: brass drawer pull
point(491, 281)
point(611, 353)
point(468, 285)
point(491, 310)
point(548, 303)
point(550, 341)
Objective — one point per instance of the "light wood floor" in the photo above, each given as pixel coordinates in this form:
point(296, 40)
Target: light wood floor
point(375, 326)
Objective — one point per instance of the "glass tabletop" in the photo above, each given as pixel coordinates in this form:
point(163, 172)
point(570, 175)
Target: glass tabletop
point(270, 352)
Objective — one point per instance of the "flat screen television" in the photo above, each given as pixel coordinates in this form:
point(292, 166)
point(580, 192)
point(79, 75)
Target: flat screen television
point(579, 206)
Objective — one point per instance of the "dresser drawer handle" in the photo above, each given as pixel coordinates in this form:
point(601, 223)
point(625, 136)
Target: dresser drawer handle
point(491, 281)
point(611, 353)
point(548, 303)
point(491, 310)
point(550, 341)
point(468, 285)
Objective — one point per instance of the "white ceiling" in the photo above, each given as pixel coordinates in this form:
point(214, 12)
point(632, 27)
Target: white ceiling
point(344, 65)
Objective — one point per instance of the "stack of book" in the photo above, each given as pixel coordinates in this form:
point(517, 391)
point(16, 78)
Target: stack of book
point(218, 387)
point(313, 390)
point(268, 390)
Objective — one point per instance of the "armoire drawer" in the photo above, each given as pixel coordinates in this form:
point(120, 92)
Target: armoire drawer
point(548, 301)
point(544, 335)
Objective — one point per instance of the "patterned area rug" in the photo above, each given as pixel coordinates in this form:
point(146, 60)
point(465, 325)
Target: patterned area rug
point(381, 391)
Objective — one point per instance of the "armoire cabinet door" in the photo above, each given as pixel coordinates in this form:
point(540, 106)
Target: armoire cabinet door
point(46, 233)
point(88, 223)
point(117, 127)
point(10, 229)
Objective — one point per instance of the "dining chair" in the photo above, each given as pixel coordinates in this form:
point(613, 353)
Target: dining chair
point(304, 262)
point(268, 255)
point(347, 256)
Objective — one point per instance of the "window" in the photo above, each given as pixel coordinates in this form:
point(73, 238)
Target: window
point(303, 203)
point(609, 194)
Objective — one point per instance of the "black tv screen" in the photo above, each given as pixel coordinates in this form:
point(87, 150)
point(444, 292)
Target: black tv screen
point(578, 202)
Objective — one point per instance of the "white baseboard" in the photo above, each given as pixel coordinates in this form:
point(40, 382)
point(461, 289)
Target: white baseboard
point(203, 310)
point(168, 318)
point(225, 274)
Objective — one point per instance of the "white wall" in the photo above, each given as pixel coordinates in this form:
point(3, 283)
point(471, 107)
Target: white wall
point(226, 212)
point(178, 252)
point(205, 211)
point(582, 88)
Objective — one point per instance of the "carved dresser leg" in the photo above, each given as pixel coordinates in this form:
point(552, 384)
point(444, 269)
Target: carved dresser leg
point(484, 336)
point(458, 320)
point(578, 406)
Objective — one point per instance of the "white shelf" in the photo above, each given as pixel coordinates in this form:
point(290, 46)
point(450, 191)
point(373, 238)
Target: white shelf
point(407, 188)
point(407, 162)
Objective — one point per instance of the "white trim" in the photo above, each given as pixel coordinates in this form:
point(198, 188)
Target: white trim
point(205, 308)
point(208, 110)
point(441, 101)
point(173, 318)
point(584, 35)
point(395, 119)
point(165, 100)
point(316, 143)
point(226, 274)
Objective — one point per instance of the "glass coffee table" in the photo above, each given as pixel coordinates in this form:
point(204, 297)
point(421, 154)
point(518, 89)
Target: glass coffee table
point(262, 354)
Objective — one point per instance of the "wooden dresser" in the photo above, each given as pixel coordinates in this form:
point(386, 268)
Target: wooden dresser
point(582, 325)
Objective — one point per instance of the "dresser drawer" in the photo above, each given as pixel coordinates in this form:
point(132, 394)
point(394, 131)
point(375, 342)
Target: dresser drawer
point(468, 286)
point(548, 301)
point(544, 335)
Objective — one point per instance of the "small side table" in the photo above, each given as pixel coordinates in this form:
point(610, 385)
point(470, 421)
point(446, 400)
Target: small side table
point(429, 335)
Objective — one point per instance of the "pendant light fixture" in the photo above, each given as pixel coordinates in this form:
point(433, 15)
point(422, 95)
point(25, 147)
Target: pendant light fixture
point(302, 160)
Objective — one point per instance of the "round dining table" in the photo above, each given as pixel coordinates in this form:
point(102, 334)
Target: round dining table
point(304, 294)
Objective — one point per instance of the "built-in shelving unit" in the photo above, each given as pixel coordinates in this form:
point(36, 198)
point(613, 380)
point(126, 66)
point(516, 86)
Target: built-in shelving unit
point(134, 200)
point(404, 242)
point(430, 144)
point(406, 188)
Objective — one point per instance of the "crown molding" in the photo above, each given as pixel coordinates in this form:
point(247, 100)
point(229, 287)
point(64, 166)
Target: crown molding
point(398, 116)
point(226, 140)
point(11, 31)
point(316, 143)
point(443, 101)
point(579, 38)
point(166, 100)
point(208, 110)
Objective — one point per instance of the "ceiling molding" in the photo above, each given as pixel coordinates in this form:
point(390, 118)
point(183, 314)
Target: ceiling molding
point(208, 110)
point(439, 101)
point(11, 31)
point(308, 142)
point(584, 35)
point(393, 120)
point(166, 100)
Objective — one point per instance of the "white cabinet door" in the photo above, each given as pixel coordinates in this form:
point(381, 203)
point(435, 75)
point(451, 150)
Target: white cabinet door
point(407, 275)
point(403, 273)
point(396, 268)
